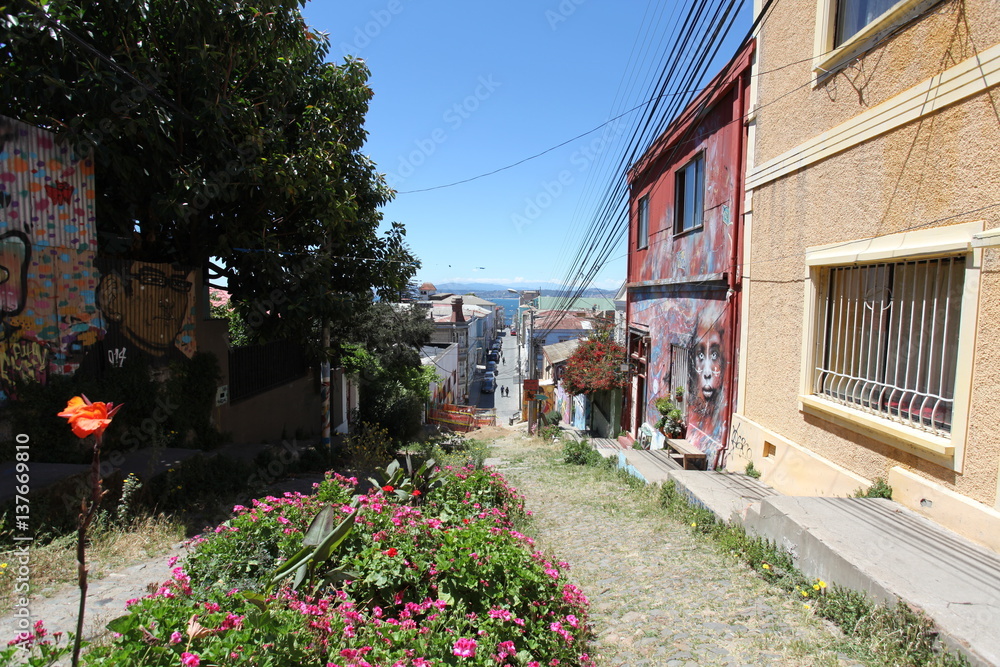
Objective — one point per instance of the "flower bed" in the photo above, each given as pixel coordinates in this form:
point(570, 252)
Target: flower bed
point(434, 577)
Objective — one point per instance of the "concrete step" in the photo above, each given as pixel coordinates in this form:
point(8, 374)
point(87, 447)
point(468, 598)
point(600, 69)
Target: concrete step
point(879, 547)
point(728, 495)
point(652, 466)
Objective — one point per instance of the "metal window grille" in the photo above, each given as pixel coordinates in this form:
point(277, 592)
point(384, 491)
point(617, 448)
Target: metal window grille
point(679, 373)
point(891, 340)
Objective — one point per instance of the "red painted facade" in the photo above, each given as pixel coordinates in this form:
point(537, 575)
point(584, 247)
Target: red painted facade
point(684, 284)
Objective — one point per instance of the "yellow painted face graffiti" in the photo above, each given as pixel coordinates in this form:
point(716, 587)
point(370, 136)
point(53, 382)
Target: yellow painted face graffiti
point(154, 311)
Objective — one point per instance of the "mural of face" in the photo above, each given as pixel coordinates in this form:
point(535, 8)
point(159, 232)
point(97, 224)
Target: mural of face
point(707, 359)
point(149, 303)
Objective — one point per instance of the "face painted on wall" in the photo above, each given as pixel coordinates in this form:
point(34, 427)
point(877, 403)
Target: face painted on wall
point(708, 360)
point(149, 303)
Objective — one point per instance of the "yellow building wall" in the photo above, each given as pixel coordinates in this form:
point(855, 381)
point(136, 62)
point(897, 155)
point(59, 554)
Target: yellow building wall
point(941, 168)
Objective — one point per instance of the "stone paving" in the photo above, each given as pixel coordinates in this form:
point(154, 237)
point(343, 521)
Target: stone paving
point(659, 595)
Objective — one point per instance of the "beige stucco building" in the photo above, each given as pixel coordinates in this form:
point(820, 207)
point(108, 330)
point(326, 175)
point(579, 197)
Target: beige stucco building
point(870, 343)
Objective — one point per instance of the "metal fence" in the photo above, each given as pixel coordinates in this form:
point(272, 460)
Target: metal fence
point(256, 368)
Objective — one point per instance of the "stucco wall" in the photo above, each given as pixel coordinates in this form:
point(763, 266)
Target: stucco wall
point(952, 31)
point(939, 170)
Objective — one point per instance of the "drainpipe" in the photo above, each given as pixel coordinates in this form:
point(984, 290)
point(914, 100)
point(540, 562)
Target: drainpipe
point(734, 282)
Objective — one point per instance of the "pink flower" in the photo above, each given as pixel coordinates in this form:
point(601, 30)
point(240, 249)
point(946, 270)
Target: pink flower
point(190, 659)
point(464, 648)
point(176, 637)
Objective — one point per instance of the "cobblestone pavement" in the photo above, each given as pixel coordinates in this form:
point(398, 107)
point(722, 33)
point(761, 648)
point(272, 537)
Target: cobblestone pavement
point(659, 594)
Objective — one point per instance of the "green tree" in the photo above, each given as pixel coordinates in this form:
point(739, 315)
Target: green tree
point(384, 356)
point(217, 130)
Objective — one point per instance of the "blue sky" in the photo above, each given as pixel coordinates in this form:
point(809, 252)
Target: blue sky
point(462, 89)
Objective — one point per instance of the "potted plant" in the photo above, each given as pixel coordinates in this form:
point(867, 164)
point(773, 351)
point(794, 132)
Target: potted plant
point(671, 421)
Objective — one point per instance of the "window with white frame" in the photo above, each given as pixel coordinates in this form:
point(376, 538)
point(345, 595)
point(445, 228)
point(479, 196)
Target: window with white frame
point(846, 29)
point(890, 340)
point(689, 195)
point(854, 15)
point(642, 235)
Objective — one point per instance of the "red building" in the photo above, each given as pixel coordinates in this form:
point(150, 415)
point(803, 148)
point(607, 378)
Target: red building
point(684, 264)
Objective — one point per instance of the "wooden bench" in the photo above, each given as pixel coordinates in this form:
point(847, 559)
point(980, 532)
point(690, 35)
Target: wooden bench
point(689, 455)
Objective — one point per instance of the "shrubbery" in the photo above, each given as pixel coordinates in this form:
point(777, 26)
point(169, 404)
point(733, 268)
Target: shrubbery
point(442, 577)
point(580, 452)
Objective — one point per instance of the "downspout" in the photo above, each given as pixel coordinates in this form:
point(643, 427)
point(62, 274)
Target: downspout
point(734, 295)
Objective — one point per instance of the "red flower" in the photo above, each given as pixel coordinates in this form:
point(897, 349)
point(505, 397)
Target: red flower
point(416, 492)
point(87, 418)
point(391, 551)
point(388, 488)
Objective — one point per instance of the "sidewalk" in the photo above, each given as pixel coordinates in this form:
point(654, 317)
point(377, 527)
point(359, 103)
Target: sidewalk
point(866, 544)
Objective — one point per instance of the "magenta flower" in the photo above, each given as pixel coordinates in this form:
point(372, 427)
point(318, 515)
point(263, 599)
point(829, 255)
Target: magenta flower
point(176, 637)
point(464, 648)
point(190, 659)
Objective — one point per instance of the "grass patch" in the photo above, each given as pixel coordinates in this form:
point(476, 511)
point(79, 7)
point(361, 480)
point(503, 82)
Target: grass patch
point(110, 547)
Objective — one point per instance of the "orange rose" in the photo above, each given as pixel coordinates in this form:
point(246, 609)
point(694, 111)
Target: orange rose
point(88, 418)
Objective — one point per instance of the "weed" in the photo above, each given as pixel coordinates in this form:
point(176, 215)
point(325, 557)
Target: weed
point(879, 489)
point(751, 471)
point(580, 452)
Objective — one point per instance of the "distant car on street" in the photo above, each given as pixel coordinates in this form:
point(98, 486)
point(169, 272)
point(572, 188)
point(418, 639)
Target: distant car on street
point(489, 386)
point(513, 332)
point(491, 366)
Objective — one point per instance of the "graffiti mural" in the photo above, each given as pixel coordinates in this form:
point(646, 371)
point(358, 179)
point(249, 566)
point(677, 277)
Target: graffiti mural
point(564, 403)
point(47, 277)
point(148, 313)
point(684, 269)
point(56, 309)
point(700, 327)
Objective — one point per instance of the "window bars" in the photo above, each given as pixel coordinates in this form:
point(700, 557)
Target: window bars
point(890, 340)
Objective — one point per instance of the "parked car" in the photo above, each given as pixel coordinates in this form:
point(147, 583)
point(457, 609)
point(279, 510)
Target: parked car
point(491, 367)
point(489, 386)
point(492, 357)
point(513, 332)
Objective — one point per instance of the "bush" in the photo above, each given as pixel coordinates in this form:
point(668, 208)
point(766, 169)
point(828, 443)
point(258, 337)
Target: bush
point(549, 432)
point(879, 489)
point(580, 452)
point(448, 578)
point(368, 446)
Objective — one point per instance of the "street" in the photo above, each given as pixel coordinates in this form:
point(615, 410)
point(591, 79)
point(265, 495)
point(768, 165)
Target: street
point(506, 406)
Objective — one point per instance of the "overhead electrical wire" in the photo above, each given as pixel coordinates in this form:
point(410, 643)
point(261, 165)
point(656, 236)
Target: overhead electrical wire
point(593, 255)
point(610, 220)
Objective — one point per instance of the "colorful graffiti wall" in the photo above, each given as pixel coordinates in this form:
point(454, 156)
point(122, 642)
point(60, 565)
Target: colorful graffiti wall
point(56, 308)
point(695, 332)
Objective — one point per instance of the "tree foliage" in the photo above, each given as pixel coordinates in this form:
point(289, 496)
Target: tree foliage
point(595, 366)
point(218, 131)
point(384, 357)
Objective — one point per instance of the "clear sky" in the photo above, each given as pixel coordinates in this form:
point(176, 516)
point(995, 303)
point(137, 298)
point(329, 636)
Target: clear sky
point(462, 89)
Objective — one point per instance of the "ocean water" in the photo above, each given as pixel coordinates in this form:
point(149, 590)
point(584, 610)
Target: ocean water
point(509, 308)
